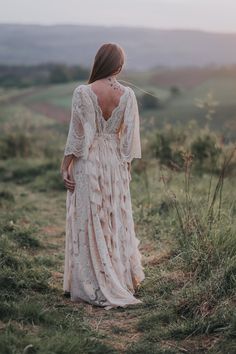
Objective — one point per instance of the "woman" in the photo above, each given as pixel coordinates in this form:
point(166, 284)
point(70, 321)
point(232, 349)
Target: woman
point(102, 260)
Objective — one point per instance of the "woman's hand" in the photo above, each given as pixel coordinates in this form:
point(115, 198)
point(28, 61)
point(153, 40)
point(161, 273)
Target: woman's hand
point(66, 171)
point(68, 179)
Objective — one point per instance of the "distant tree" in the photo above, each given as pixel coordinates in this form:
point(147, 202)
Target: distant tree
point(29, 75)
point(62, 73)
point(77, 72)
point(59, 74)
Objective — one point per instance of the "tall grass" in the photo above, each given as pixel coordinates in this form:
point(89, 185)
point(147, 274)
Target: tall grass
point(206, 233)
point(189, 290)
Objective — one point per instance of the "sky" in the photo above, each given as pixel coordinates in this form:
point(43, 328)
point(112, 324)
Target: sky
point(207, 15)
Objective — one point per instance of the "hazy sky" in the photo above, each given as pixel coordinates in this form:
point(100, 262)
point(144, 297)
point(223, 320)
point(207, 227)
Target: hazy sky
point(212, 15)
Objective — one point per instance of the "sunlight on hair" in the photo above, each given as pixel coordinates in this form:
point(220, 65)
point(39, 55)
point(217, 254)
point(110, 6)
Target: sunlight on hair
point(139, 88)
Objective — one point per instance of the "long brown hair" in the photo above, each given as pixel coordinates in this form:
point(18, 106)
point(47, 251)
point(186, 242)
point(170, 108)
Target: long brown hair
point(109, 60)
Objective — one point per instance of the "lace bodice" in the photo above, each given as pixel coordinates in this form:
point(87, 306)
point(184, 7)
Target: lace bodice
point(87, 120)
point(111, 125)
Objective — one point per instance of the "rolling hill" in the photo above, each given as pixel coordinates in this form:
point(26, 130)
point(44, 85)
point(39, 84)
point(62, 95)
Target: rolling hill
point(145, 47)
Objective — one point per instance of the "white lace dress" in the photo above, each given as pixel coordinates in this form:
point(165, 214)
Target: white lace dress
point(102, 259)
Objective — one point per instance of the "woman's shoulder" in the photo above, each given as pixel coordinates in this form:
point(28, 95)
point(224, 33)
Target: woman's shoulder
point(80, 92)
point(79, 88)
point(130, 90)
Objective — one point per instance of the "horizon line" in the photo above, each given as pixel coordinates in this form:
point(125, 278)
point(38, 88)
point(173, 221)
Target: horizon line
point(121, 26)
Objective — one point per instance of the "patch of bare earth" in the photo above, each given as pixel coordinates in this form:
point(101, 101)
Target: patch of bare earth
point(119, 329)
point(49, 110)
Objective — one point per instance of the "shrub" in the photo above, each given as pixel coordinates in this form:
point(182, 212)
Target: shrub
point(205, 152)
point(16, 144)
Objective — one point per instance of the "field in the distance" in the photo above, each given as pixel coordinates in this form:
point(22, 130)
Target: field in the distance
point(192, 85)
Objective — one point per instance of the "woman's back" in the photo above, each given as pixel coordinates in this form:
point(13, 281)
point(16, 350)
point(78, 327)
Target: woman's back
point(108, 96)
point(109, 108)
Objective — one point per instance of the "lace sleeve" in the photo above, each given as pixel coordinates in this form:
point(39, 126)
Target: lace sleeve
point(76, 135)
point(130, 145)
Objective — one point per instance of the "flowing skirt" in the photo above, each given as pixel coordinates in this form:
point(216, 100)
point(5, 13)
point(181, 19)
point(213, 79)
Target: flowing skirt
point(102, 260)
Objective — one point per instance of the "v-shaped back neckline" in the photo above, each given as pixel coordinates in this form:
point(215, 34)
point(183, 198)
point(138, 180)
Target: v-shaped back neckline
point(98, 106)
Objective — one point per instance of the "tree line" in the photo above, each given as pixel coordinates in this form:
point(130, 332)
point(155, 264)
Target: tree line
point(49, 73)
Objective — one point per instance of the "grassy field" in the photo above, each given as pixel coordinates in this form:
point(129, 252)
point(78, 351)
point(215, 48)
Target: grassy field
point(187, 234)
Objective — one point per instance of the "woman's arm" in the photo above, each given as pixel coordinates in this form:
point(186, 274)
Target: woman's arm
point(66, 171)
point(66, 161)
point(130, 146)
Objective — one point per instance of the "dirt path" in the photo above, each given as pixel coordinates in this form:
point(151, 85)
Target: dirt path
point(118, 327)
